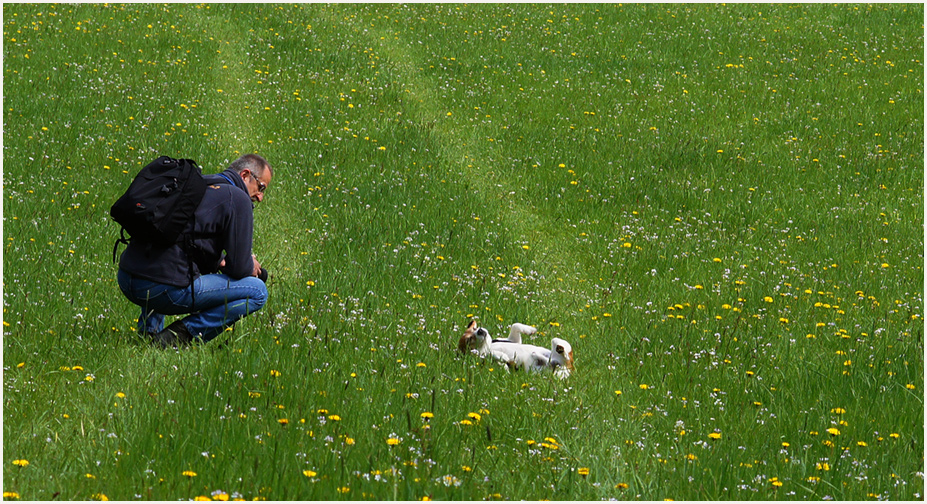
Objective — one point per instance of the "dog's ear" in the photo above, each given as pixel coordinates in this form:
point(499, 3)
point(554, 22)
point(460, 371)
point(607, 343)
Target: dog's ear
point(472, 325)
point(463, 345)
point(560, 349)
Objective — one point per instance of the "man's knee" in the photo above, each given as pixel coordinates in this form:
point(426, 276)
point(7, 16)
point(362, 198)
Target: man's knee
point(258, 294)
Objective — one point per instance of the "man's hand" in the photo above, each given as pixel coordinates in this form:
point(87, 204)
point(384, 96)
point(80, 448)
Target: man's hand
point(257, 267)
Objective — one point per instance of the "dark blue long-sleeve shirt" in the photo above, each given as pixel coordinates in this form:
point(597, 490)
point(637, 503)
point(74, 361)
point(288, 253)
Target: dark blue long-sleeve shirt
point(224, 222)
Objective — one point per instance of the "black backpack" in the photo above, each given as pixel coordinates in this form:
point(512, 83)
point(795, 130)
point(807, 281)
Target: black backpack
point(160, 203)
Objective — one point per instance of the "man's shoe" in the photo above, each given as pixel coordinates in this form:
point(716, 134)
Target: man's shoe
point(175, 335)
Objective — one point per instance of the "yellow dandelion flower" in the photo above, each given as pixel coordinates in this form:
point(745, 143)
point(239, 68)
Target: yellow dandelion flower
point(392, 441)
point(189, 474)
point(21, 462)
point(283, 421)
point(833, 431)
point(275, 373)
point(309, 474)
point(715, 435)
point(10, 495)
point(583, 471)
point(427, 415)
point(475, 416)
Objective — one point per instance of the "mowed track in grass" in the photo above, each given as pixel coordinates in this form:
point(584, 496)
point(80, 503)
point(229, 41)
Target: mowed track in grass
point(720, 207)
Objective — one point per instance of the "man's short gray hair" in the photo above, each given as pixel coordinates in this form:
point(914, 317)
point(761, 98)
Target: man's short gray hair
point(251, 162)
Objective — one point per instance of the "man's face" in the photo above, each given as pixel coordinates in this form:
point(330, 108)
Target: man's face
point(256, 184)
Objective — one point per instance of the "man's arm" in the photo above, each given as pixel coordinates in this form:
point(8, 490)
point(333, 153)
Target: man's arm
point(239, 261)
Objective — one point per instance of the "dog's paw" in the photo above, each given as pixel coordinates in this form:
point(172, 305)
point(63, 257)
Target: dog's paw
point(523, 328)
point(517, 330)
point(562, 372)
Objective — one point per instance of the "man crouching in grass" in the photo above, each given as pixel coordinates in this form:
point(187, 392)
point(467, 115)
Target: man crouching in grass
point(227, 279)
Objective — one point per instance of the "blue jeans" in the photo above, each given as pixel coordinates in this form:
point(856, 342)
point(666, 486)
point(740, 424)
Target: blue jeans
point(220, 301)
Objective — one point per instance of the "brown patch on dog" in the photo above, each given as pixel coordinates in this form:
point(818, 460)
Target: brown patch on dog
point(569, 360)
point(468, 340)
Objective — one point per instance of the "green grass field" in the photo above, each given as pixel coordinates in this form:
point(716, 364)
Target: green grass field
point(720, 207)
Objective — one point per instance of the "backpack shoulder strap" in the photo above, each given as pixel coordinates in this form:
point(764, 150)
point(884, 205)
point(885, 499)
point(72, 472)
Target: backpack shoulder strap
point(122, 239)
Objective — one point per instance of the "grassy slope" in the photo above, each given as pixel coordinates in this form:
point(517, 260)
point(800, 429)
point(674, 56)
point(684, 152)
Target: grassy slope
point(753, 171)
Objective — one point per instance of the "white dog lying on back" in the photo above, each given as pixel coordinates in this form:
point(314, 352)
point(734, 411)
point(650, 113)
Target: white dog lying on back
point(515, 354)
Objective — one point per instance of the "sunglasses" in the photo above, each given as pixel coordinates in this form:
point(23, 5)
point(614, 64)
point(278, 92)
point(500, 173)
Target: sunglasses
point(261, 185)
